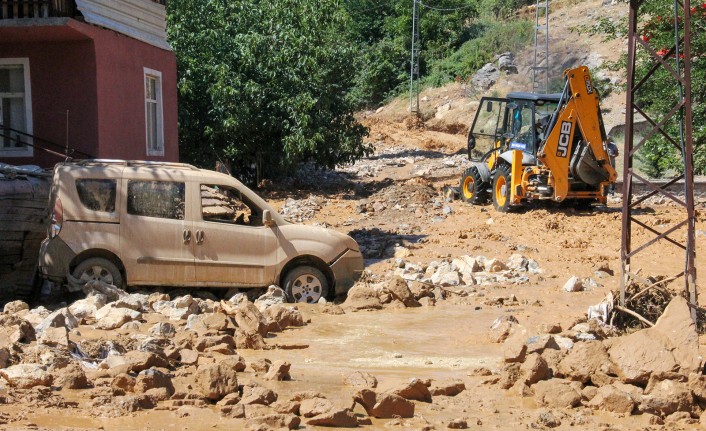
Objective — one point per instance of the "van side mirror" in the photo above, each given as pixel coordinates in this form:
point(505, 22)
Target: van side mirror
point(267, 219)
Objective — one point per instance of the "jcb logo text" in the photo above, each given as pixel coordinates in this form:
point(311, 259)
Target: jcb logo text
point(564, 139)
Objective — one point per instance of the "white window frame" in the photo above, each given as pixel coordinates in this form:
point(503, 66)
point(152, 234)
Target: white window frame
point(28, 151)
point(157, 75)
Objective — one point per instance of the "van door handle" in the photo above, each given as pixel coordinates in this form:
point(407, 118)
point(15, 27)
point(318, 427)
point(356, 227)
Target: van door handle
point(199, 237)
point(186, 234)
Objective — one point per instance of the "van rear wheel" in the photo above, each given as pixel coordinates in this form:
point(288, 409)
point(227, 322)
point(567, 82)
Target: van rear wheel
point(99, 269)
point(305, 284)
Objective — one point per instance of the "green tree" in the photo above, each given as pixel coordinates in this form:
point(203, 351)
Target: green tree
point(265, 85)
point(659, 94)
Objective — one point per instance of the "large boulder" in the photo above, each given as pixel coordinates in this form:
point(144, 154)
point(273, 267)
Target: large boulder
point(670, 346)
point(339, 418)
point(362, 297)
point(315, 406)
point(110, 317)
point(485, 77)
point(14, 329)
point(584, 360)
point(534, 369)
point(281, 316)
point(207, 322)
point(360, 379)
point(274, 295)
point(415, 390)
point(217, 380)
point(385, 405)
point(249, 318)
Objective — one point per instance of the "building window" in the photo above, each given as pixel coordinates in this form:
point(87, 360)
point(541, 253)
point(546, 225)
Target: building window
point(154, 121)
point(15, 108)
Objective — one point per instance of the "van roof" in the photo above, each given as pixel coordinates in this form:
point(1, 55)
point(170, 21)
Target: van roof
point(134, 163)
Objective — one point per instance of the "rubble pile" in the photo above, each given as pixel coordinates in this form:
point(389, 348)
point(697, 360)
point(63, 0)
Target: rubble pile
point(301, 210)
point(655, 371)
point(395, 156)
point(414, 285)
point(180, 352)
point(411, 196)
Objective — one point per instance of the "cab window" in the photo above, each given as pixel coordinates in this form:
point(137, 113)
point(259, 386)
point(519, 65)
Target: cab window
point(523, 128)
point(226, 204)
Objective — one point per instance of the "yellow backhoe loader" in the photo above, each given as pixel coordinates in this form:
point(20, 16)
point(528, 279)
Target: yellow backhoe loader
point(540, 147)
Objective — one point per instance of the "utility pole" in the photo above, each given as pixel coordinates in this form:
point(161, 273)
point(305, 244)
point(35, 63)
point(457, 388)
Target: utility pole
point(540, 68)
point(414, 62)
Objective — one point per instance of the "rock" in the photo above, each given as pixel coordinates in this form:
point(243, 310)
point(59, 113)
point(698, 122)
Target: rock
point(216, 381)
point(506, 63)
point(384, 406)
point(397, 287)
point(261, 365)
point(207, 323)
point(311, 407)
point(134, 301)
point(445, 275)
point(15, 307)
point(163, 329)
point(509, 375)
point(573, 284)
point(273, 422)
point(14, 329)
point(59, 318)
point(457, 424)
point(501, 328)
point(134, 361)
point(108, 291)
point(230, 400)
point(638, 355)
point(495, 265)
point(540, 343)
point(85, 309)
point(697, 386)
point(279, 370)
point(71, 376)
point(249, 318)
point(534, 369)
point(676, 325)
point(415, 390)
point(664, 397)
point(359, 379)
point(556, 393)
point(584, 360)
point(517, 262)
point(340, 418)
point(54, 337)
point(249, 340)
point(110, 317)
point(281, 316)
point(4, 357)
point(612, 399)
point(362, 297)
point(188, 356)
point(485, 77)
point(514, 347)
point(26, 376)
point(256, 394)
point(123, 382)
point(274, 295)
point(546, 418)
point(448, 389)
point(152, 379)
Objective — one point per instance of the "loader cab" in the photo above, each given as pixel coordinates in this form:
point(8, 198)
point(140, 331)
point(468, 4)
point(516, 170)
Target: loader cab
point(517, 122)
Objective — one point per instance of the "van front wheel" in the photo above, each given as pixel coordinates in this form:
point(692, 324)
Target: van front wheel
point(99, 269)
point(305, 284)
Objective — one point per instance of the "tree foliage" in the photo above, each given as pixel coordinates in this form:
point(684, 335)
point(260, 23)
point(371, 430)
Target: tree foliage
point(660, 93)
point(265, 85)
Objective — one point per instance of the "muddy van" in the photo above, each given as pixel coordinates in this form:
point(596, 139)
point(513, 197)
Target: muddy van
point(136, 223)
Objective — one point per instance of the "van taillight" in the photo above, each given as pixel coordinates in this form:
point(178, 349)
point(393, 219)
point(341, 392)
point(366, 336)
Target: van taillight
point(57, 219)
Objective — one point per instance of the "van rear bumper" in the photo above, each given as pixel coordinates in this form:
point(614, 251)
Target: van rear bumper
point(54, 259)
point(347, 269)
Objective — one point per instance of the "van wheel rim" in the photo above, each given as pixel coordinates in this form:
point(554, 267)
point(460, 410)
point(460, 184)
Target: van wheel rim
point(97, 273)
point(306, 288)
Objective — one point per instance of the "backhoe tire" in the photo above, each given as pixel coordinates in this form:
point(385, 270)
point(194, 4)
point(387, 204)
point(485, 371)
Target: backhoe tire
point(473, 189)
point(501, 188)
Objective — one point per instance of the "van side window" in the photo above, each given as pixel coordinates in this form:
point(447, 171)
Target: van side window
point(227, 205)
point(97, 195)
point(162, 199)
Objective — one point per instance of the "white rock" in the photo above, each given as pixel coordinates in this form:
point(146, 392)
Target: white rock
point(59, 318)
point(25, 376)
point(274, 295)
point(573, 284)
point(115, 317)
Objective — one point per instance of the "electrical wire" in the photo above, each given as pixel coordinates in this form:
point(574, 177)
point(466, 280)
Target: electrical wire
point(443, 9)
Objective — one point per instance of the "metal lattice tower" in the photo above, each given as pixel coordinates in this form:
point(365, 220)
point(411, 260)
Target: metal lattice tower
point(414, 61)
point(681, 233)
point(540, 68)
